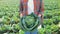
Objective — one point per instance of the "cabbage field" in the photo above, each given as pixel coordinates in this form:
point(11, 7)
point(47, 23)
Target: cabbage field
point(9, 17)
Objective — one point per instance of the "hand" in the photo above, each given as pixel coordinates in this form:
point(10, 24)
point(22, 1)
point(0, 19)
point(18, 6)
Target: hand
point(21, 15)
point(39, 15)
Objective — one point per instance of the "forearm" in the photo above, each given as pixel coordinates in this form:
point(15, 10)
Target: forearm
point(21, 8)
point(41, 14)
point(42, 8)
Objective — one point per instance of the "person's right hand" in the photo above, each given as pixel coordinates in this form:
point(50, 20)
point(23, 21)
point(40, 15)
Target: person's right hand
point(21, 14)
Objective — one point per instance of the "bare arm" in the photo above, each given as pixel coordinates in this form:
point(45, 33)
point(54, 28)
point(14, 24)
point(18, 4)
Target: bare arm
point(21, 8)
point(41, 12)
point(42, 7)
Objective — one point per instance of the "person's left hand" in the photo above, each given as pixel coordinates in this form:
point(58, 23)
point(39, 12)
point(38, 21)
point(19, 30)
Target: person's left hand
point(39, 15)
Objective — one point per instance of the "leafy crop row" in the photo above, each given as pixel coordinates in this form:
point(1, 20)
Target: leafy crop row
point(9, 17)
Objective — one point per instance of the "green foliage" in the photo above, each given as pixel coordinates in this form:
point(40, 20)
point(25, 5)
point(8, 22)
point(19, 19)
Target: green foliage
point(29, 20)
point(10, 17)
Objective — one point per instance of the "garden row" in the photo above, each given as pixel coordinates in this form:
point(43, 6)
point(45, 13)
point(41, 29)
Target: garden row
point(9, 17)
